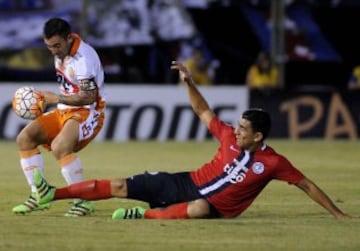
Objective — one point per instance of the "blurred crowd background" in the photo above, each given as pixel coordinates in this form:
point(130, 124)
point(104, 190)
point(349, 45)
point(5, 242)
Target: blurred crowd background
point(220, 40)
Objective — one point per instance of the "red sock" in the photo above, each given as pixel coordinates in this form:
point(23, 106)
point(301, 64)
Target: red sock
point(176, 211)
point(87, 190)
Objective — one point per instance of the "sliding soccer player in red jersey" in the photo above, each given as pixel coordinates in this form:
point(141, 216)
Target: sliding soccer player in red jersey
point(222, 188)
point(75, 122)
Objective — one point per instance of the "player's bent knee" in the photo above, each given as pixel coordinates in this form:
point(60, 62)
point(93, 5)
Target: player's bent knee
point(61, 147)
point(31, 136)
point(198, 209)
point(119, 188)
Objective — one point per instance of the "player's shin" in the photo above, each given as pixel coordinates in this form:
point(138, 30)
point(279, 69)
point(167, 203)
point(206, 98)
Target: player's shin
point(176, 211)
point(86, 190)
point(29, 160)
point(71, 169)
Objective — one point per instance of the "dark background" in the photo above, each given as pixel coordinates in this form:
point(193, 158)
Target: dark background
point(233, 42)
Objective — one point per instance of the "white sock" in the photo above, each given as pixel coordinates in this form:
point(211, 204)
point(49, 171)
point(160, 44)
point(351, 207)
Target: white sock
point(72, 171)
point(28, 165)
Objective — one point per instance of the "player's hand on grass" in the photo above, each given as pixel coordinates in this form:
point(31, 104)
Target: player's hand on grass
point(345, 217)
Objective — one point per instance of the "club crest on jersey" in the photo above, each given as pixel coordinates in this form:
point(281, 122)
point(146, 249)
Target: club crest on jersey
point(258, 168)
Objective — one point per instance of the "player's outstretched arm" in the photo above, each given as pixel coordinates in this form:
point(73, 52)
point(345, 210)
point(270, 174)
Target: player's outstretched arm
point(198, 102)
point(315, 193)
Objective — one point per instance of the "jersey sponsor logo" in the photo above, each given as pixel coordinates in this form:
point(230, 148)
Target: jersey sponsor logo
point(87, 128)
point(236, 172)
point(233, 173)
point(258, 168)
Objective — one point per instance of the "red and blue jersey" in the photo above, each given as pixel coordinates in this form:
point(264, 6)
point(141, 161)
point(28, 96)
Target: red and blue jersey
point(234, 177)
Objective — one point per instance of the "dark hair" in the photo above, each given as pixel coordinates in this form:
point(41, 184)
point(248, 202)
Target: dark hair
point(260, 120)
point(56, 26)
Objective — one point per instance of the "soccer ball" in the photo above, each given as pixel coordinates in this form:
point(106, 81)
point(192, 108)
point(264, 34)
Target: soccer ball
point(28, 103)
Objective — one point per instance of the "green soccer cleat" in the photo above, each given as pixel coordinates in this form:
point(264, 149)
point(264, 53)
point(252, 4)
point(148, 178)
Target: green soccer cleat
point(80, 208)
point(44, 192)
point(132, 213)
point(30, 205)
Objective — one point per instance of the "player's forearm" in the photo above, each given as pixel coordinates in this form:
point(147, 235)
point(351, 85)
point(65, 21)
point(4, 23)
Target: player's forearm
point(198, 102)
point(75, 100)
point(322, 199)
point(52, 98)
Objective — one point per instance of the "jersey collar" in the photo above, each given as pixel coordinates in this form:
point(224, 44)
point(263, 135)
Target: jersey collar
point(263, 147)
point(75, 45)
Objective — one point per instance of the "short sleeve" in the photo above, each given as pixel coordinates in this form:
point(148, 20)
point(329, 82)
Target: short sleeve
point(287, 172)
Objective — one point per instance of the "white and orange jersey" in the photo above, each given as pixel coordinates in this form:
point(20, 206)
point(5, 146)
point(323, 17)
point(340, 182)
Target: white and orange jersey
point(82, 63)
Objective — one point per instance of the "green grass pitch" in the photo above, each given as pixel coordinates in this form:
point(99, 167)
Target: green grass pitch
point(282, 217)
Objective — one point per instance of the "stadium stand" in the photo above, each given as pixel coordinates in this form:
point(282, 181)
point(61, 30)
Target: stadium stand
point(233, 32)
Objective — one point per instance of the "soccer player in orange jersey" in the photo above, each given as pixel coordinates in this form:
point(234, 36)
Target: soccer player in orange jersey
point(75, 122)
point(223, 187)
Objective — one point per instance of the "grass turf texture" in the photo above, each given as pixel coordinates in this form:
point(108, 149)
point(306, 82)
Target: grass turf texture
point(282, 217)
